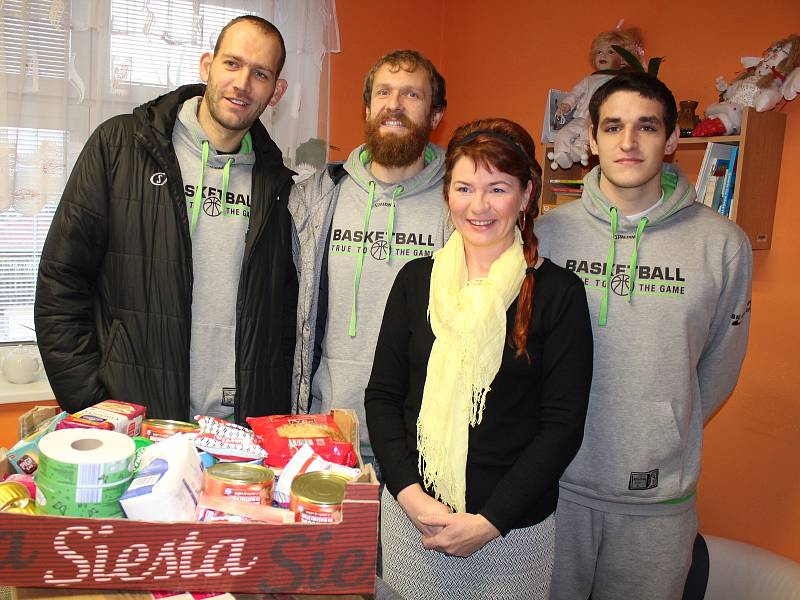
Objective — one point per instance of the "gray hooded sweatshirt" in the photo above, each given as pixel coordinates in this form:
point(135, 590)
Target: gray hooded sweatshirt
point(218, 240)
point(669, 296)
point(372, 229)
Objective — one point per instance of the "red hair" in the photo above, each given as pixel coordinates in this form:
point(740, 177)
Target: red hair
point(505, 146)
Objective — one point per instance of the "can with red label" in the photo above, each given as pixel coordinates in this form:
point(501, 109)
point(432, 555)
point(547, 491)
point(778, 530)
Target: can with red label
point(239, 481)
point(317, 497)
point(161, 429)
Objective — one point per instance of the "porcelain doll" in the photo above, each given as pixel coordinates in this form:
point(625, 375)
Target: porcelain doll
point(572, 141)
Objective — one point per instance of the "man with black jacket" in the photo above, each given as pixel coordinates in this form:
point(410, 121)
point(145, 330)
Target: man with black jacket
point(167, 278)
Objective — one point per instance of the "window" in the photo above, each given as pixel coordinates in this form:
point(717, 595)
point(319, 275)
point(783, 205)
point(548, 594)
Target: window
point(152, 44)
point(159, 42)
point(31, 180)
point(30, 43)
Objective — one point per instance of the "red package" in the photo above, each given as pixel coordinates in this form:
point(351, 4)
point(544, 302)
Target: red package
point(283, 435)
point(112, 415)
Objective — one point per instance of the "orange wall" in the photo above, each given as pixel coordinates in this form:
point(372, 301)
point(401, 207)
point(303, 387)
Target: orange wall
point(500, 59)
point(367, 31)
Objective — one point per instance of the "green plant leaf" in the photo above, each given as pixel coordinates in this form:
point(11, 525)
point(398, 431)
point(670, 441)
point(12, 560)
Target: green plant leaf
point(654, 64)
point(629, 58)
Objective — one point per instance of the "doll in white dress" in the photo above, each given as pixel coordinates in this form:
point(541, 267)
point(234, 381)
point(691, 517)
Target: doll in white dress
point(572, 141)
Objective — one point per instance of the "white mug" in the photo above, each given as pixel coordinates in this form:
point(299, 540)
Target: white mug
point(21, 366)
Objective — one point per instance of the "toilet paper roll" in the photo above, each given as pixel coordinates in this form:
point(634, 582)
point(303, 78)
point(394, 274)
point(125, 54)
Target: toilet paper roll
point(83, 472)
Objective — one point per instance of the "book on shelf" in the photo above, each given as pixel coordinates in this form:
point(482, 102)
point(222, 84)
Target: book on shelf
point(715, 151)
point(566, 189)
point(715, 183)
point(551, 123)
point(728, 185)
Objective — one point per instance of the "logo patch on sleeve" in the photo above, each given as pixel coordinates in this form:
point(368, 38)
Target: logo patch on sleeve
point(228, 396)
point(643, 481)
point(737, 318)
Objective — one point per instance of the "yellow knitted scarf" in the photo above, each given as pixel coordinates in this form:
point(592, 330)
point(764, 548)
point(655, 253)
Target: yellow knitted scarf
point(468, 319)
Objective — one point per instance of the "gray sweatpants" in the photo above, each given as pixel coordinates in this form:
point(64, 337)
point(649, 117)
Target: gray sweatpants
point(621, 557)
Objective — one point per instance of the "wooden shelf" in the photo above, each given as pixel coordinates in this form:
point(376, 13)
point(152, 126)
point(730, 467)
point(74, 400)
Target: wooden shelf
point(722, 139)
point(758, 168)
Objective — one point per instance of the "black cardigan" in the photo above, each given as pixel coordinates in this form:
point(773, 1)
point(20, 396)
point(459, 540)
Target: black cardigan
point(532, 425)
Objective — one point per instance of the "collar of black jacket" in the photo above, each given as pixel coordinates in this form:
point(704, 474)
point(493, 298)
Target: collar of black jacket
point(159, 116)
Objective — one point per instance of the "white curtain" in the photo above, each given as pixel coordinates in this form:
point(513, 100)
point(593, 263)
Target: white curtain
point(67, 66)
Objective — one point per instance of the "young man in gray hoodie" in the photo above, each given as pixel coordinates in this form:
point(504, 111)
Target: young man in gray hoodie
point(668, 282)
point(358, 223)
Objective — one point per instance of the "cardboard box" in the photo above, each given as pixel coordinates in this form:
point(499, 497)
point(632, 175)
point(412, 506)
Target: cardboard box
point(30, 421)
point(53, 594)
point(119, 554)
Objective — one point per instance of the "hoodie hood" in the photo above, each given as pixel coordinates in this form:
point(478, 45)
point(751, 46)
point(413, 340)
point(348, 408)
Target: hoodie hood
point(357, 165)
point(195, 138)
point(191, 136)
point(677, 195)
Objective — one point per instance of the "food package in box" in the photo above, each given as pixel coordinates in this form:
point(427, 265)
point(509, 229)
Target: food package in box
point(24, 455)
point(283, 435)
point(112, 415)
point(168, 483)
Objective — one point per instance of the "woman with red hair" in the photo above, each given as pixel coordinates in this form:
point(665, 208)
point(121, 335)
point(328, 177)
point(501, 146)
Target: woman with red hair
point(479, 387)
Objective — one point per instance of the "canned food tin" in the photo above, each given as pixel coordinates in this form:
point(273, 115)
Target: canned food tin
point(161, 429)
point(14, 498)
point(240, 481)
point(317, 497)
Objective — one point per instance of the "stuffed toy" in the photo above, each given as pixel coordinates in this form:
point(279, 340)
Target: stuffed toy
point(761, 86)
point(572, 141)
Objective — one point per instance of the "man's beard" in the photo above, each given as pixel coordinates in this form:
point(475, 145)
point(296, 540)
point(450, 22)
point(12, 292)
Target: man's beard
point(393, 150)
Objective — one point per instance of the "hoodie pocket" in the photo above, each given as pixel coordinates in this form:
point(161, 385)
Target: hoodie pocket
point(631, 450)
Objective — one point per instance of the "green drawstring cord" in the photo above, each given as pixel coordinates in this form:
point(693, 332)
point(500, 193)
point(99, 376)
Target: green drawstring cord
point(351, 330)
point(632, 268)
point(390, 225)
point(635, 257)
point(603, 318)
point(669, 182)
point(226, 174)
point(360, 261)
point(198, 191)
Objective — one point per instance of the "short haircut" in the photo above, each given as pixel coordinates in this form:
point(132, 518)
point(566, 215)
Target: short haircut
point(409, 60)
point(645, 85)
point(266, 28)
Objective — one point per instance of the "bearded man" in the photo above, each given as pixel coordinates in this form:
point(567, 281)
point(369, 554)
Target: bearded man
point(358, 222)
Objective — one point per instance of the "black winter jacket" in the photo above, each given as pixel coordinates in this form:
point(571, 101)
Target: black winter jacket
point(114, 293)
